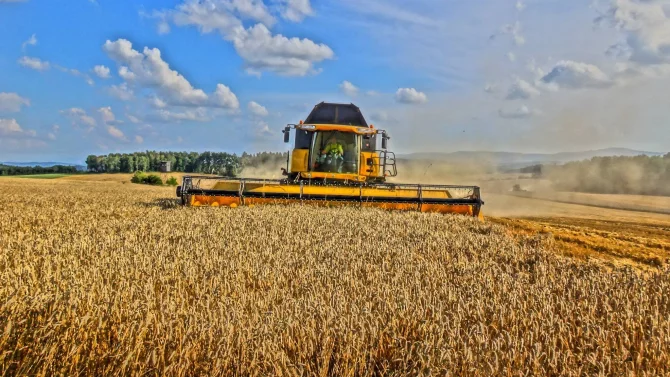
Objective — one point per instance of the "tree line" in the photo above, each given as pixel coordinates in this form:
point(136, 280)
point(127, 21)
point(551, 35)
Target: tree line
point(641, 175)
point(28, 170)
point(220, 163)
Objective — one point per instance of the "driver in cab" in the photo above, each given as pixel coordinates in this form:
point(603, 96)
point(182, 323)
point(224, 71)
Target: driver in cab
point(333, 146)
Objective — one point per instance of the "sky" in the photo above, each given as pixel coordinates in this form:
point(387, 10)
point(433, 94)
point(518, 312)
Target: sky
point(80, 77)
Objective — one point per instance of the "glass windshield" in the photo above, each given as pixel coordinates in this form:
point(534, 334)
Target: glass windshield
point(335, 152)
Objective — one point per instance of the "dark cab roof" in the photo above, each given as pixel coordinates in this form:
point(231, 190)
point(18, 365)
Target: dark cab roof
point(336, 113)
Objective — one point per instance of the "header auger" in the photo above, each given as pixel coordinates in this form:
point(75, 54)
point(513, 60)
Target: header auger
point(334, 162)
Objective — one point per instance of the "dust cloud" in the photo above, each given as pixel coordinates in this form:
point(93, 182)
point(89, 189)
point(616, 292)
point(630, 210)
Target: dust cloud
point(268, 170)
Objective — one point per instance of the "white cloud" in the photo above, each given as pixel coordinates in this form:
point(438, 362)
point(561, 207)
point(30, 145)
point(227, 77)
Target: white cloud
point(101, 71)
point(225, 98)
point(107, 115)
point(257, 109)
point(297, 10)
point(349, 89)
point(139, 139)
point(262, 129)
point(147, 68)
point(157, 103)
point(515, 31)
point(75, 73)
point(116, 133)
point(520, 6)
point(521, 89)
point(34, 63)
point(32, 41)
point(222, 15)
point(410, 96)
point(168, 116)
point(511, 57)
point(79, 117)
point(576, 75)
point(646, 27)
point(133, 119)
point(12, 102)
point(490, 88)
point(121, 92)
point(263, 51)
point(11, 128)
point(54, 131)
point(260, 49)
point(520, 113)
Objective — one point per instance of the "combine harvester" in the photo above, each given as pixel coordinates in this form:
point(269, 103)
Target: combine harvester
point(335, 162)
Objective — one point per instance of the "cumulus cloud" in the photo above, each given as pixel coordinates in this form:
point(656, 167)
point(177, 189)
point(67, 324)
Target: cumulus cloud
point(12, 102)
point(511, 57)
point(75, 73)
point(576, 75)
point(170, 116)
point(147, 68)
point(11, 128)
point(521, 89)
point(32, 41)
point(257, 109)
point(520, 6)
point(297, 10)
point(410, 96)
point(101, 71)
point(349, 89)
point(54, 131)
point(79, 117)
point(107, 115)
point(645, 25)
point(261, 50)
point(262, 129)
point(157, 103)
point(116, 133)
point(139, 139)
point(34, 63)
point(122, 92)
point(647, 28)
point(519, 113)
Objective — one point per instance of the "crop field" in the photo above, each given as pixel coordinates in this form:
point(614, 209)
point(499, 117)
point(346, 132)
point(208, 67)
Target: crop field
point(102, 278)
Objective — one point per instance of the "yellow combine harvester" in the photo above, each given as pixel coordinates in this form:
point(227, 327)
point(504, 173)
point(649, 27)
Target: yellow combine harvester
point(335, 162)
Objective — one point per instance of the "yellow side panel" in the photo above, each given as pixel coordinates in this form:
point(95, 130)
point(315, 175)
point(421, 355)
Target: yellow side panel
point(365, 167)
point(299, 161)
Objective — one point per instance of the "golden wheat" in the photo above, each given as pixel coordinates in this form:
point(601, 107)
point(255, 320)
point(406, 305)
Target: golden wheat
point(111, 279)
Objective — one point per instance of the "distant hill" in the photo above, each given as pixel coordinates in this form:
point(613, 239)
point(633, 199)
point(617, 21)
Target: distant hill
point(517, 160)
point(45, 164)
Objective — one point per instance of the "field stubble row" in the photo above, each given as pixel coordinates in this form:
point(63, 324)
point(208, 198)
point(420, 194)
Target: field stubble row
point(114, 279)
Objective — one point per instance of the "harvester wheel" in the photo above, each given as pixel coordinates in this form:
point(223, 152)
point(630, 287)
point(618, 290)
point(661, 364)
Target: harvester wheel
point(179, 191)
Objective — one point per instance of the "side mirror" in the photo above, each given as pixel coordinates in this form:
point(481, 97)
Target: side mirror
point(287, 134)
point(385, 139)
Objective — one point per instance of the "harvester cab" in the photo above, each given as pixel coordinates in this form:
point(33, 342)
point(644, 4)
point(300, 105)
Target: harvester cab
point(339, 153)
point(334, 161)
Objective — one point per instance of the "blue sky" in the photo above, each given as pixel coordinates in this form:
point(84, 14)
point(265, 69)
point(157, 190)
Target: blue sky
point(83, 77)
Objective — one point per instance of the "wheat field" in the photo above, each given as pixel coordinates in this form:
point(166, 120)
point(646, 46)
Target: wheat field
point(100, 278)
